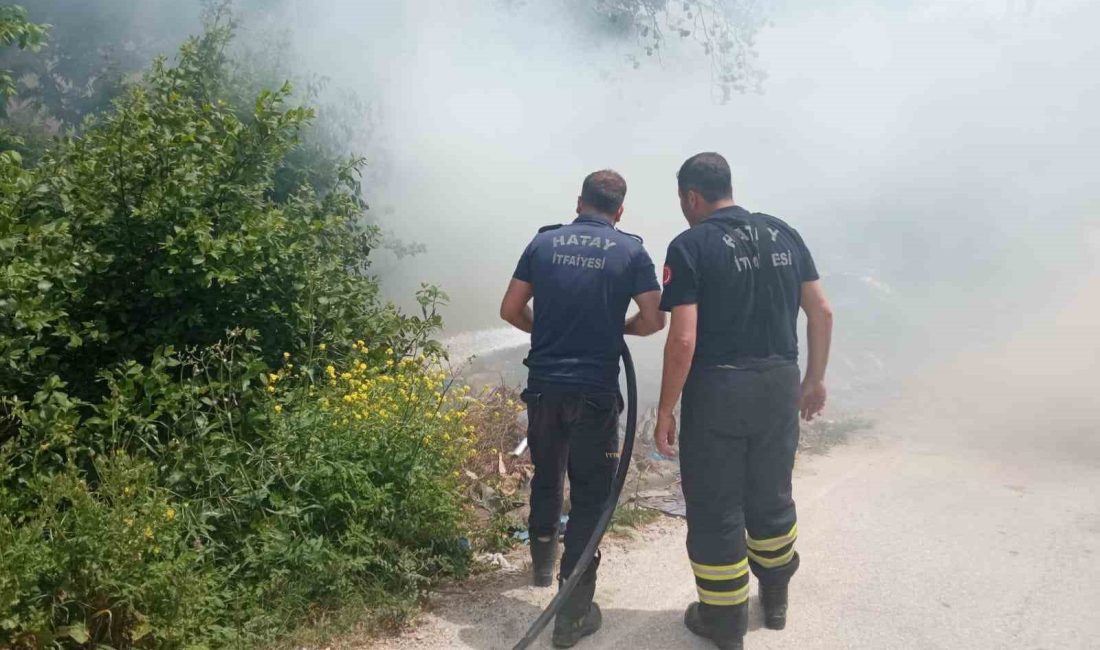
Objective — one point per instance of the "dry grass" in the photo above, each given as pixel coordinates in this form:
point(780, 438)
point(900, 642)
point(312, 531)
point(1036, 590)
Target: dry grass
point(496, 479)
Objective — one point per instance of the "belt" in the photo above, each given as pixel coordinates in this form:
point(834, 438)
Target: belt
point(754, 363)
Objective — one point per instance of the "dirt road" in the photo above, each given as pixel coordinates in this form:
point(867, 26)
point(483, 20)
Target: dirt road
point(970, 518)
point(910, 539)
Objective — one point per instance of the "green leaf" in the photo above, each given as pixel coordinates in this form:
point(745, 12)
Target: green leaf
point(141, 629)
point(77, 633)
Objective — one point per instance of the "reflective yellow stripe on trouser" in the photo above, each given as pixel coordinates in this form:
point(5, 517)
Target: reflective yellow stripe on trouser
point(773, 543)
point(758, 546)
point(726, 598)
point(719, 573)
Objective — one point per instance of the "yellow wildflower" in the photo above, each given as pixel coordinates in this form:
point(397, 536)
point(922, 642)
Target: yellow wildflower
point(148, 532)
point(278, 408)
point(322, 347)
point(286, 355)
point(170, 514)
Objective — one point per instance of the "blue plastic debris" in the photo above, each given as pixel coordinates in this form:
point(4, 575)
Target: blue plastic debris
point(525, 535)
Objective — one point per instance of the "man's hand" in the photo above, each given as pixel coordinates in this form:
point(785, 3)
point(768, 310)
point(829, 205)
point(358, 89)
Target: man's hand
point(649, 319)
point(665, 434)
point(813, 399)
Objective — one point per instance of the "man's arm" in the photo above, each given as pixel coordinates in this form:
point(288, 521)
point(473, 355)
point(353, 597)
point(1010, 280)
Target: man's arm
point(649, 319)
point(819, 335)
point(679, 350)
point(514, 307)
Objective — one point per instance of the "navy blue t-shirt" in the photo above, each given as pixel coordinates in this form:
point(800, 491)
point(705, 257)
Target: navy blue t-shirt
point(583, 275)
point(745, 272)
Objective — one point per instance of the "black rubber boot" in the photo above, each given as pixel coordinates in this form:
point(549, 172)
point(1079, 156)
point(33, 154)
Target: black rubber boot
point(773, 596)
point(774, 600)
point(579, 616)
point(544, 555)
point(724, 626)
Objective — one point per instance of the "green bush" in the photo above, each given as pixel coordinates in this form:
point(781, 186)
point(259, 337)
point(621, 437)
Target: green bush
point(161, 225)
point(110, 564)
point(212, 428)
point(252, 499)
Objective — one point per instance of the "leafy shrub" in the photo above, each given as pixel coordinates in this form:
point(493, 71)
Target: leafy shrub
point(110, 564)
point(212, 427)
point(228, 503)
point(160, 226)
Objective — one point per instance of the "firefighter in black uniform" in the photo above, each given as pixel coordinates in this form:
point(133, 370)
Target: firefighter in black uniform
point(734, 282)
point(582, 277)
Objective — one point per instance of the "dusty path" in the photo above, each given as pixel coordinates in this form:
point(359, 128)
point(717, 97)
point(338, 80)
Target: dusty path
point(970, 519)
point(924, 538)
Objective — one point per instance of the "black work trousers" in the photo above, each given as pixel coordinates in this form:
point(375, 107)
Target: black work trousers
point(574, 430)
point(739, 434)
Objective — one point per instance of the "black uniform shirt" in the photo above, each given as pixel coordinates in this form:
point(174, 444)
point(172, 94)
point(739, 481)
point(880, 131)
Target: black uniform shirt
point(584, 275)
point(745, 272)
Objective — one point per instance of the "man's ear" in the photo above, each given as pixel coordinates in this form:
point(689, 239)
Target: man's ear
point(693, 200)
point(618, 214)
point(580, 205)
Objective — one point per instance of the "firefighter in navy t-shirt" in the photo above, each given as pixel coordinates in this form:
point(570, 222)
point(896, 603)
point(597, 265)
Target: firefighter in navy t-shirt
point(734, 283)
point(582, 277)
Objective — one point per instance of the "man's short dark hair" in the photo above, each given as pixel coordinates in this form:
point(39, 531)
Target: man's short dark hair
point(708, 174)
point(604, 191)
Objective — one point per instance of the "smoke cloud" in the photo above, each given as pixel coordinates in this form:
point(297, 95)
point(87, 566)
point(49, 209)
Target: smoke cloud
point(938, 156)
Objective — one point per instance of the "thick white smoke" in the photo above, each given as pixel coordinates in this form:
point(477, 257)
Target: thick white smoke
point(938, 156)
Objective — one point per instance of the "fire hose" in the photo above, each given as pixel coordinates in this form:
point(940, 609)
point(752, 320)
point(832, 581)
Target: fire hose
point(605, 518)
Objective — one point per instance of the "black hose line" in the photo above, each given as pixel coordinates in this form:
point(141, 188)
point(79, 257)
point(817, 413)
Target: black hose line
point(605, 519)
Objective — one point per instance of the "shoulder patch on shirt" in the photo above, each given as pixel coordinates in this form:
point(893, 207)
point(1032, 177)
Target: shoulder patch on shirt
point(631, 235)
point(549, 228)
